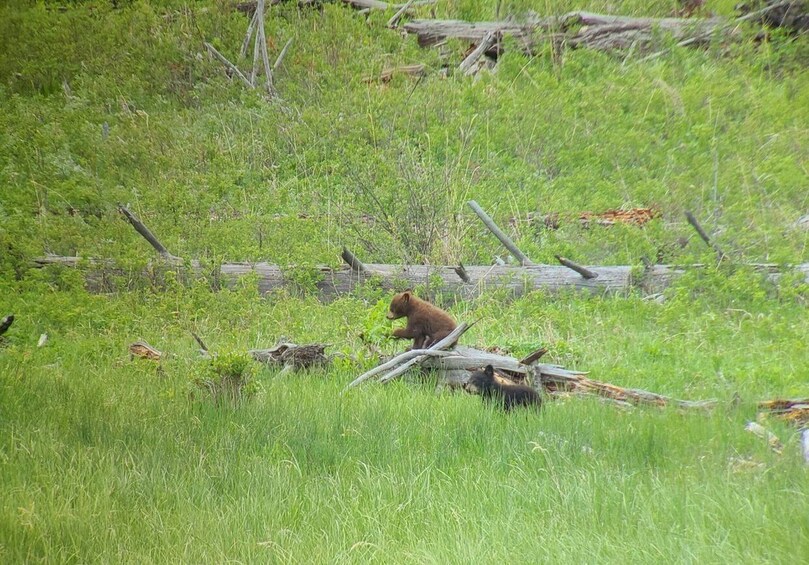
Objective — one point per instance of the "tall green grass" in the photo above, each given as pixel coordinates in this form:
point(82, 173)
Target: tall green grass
point(106, 459)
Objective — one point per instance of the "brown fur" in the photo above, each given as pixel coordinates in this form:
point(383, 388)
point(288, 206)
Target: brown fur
point(426, 324)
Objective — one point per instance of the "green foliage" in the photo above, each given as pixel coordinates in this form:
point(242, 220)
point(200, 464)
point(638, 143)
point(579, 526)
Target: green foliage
point(108, 102)
point(227, 378)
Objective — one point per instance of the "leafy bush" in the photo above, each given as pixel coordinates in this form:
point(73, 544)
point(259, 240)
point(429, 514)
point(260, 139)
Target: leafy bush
point(227, 378)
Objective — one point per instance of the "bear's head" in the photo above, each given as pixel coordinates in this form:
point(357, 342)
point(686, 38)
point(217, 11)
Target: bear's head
point(399, 306)
point(481, 381)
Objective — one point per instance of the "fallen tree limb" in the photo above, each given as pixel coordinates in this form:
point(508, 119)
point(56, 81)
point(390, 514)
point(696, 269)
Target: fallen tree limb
point(765, 434)
point(143, 350)
point(579, 384)
point(408, 359)
point(794, 411)
point(578, 29)
point(332, 281)
point(377, 5)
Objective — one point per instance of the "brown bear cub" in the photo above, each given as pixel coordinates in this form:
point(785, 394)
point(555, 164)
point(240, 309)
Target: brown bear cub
point(426, 324)
point(510, 395)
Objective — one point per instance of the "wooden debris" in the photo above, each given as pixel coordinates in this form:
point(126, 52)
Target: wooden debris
point(333, 281)
point(352, 261)
point(578, 29)
point(143, 350)
point(468, 65)
point(795, 411)
point(409, 358)
point(504, 239)
point(633, 216)
point(141, 228)
point(720, 255)
point(377, 5)
point(762, 432)
point(579, 384)
point(398, 15)
point(293, 356)
point(583, 271)
point(792, 15)
point(387, 74)
point(260, 56)
point(454, 368)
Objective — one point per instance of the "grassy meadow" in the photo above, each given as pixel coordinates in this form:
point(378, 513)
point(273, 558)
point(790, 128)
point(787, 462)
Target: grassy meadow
point(108, 459)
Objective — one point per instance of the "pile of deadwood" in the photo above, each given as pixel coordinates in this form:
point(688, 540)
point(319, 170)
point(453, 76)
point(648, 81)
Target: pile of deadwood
point(453, 364)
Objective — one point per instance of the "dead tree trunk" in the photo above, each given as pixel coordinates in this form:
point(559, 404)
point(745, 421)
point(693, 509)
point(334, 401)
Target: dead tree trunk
point(342, 280)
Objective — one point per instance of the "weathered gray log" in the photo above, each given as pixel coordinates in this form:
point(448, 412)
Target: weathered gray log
point(352, 261)
point(460, 270)
point(448, 341)
point(377, 5)
point(555, 379)
point(583, 271)
point(720, 255)
point(398, 15)
point(467, 66)
point(504, 239)
point(230, 66)
point(281, 55)
point(790, 14)
point(398, 360)
point(432, 32)
point(343, 280)
point(141, 228)
point(410, 358)
point(772, 440)
point(582, 29)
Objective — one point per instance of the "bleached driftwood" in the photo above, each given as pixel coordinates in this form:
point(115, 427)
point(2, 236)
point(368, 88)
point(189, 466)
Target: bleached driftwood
point(765, 434)
point(334, 281)
point(498, 233)
point(468, 66)
point(377, 5)
point(554, 381)
point(585, 29)
point(406, 360)
point(143, 350)
point(455, 366)
point(793, 410)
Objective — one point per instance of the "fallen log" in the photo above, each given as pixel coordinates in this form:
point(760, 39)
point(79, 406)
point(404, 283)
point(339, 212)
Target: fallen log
point(454, 367)
point(293, 356)
point(332, 281)
point(377, 5)
point(635, 216)
point(143, 350)
point(772, 440)
point(555, 382)
point(795, 411)
point(410, 358)
point(579, 29)
point(792, 15)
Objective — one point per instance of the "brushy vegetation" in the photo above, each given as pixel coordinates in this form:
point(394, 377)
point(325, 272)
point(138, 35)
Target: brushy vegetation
point(106, 459)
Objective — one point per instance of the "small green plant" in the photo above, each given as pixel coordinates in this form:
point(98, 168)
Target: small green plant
point(227, 378)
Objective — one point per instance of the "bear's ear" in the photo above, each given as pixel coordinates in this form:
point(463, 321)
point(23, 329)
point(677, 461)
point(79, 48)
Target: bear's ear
point(406, 296)
point(489, 370)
